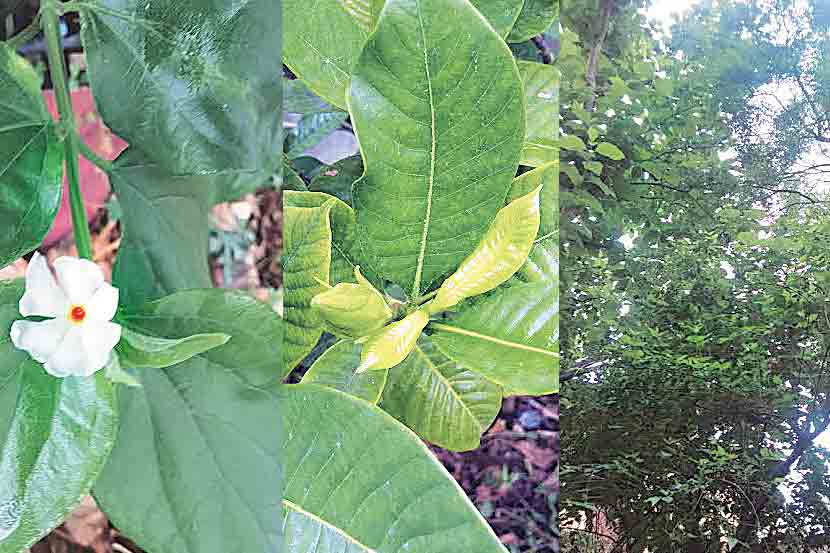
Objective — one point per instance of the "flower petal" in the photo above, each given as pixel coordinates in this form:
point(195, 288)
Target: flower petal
point(41, 339)
point(43, 297)
point(79, 278)
point(103, 304)
point(99, 339)
point(69, 359)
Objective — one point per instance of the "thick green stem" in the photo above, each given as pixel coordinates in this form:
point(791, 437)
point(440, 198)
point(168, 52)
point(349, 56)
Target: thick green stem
point(51, 29)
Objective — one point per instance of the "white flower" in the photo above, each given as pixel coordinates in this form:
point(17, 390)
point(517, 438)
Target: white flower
point(78, 337)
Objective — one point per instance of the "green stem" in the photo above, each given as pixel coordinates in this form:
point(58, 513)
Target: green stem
point(51, 29)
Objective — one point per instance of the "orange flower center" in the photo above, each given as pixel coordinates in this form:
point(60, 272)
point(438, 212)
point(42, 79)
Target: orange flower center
point(77, 314)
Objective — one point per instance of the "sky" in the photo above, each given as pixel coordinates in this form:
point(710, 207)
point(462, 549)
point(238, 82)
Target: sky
point(668, 10)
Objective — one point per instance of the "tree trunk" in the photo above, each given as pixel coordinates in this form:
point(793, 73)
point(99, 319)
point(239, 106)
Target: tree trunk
point(606, 7)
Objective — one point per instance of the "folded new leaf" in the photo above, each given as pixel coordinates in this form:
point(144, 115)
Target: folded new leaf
point(498, 256)
point(138, 351)
point(352, 310)
point(390, 345)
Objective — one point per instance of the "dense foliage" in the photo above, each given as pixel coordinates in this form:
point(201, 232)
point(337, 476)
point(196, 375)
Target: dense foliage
point(695, 347)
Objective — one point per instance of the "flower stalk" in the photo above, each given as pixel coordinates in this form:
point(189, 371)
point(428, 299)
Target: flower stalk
point(50, 16)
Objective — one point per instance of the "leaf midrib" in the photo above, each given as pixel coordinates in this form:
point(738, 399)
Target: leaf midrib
point(296, 508)
point(506, 343)
point(416, 286)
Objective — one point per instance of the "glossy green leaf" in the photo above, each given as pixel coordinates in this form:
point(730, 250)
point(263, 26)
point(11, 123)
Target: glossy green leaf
point(546, 176)
point(137, 350)
point(55, 436)
point(352, 310)
point(306, 263)
point(196, 467)
point(501, 253)
point(541, 84)
point(510, 336)
point(536, 17)
point(335, 368)
point(572, 142)
point(542, 264)
point(340, 489)
point(343, 223)
point(440, 400)
point(610, 151)
point(176, 79)
point(322, 44)
point(389, 346)
point(436, 102)
point(31, 160)
point(501, 14)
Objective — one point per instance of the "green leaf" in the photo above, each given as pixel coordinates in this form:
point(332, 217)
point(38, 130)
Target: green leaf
point(352, 309)
point(137, 350)
point(541, 84)
point(543, 262)
point(546, 176)
point(55, 436)
point(306, 263)
point(158, 207)
point(571, 142)
point(357, 500)
point(610, 151)
point(502, 252)
point(196, 465)
point(338, 179)
point(312, 129)
point(594, 166)
point(501, 14)
point(390, 345)
point(509, 336)
point(440, 400)
point(297, 98)
point(536, 17)
point(335, 368)
point(31, 160)
point(176, 79)
point(343, 223)
point(436, 101)
point(322, 44)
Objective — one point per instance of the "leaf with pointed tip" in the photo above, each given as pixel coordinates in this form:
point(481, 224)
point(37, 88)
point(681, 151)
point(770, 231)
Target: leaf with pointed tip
point(55, 436)
point(336, 369)
point(31, 160)
point(137, 350)
point(176, 79)
point(197, 463)
point(541, 84)
point(339, 488)
point(610, 151)
point(546, 176)
point(440, 400)
point(436, 102)
point(510, 336)
point(306, 263)
point(537, 16)
point(501, 14)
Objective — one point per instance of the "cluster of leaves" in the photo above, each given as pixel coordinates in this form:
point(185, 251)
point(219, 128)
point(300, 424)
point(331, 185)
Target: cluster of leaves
point(186, 457)
point(693, 392)
point(432, 256)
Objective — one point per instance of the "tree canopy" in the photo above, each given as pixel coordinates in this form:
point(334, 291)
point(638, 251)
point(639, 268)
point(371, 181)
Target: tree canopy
point(696, 270)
